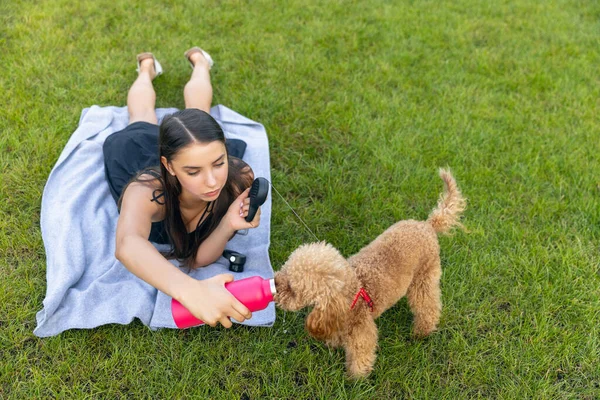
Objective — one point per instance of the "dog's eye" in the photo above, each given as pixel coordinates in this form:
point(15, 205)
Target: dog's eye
point(289, 289)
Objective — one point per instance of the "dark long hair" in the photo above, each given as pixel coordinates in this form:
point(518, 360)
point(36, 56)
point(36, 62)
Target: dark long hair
point(178, 131)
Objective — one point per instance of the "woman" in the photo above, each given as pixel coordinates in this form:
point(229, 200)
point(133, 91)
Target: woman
point(177, 184)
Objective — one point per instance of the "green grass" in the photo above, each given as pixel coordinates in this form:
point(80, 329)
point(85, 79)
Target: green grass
point(362, 103)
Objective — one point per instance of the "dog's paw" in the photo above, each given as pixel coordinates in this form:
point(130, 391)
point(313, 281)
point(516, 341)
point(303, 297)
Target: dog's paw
point(359, 370)
point(422, 330)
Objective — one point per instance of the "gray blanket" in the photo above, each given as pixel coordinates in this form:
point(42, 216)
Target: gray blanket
point(86, 285)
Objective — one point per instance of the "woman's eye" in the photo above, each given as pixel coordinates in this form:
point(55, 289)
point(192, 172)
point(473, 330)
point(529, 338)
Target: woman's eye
point(220, 164)
point(192, 173)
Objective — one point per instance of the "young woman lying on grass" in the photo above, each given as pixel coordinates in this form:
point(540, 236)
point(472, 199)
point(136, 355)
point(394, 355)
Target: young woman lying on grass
point(177, 184)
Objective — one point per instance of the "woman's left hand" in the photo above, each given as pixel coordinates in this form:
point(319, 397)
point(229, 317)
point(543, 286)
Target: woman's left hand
point(238, 210)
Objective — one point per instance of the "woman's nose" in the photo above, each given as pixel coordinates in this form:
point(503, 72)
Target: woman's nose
point(210, 180)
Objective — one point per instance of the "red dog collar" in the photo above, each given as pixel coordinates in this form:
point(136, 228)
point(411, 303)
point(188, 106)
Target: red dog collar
point(363, 293)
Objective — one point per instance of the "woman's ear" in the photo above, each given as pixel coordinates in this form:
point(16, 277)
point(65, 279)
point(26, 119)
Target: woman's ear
point(166, 164)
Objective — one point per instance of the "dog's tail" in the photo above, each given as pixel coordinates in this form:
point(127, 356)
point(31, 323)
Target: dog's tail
point(450, 206)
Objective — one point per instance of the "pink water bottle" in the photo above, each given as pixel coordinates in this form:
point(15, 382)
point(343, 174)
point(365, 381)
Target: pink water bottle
point(255, 293)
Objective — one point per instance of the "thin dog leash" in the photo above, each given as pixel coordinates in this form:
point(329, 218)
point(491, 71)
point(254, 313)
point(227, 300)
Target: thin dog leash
point(290, 207)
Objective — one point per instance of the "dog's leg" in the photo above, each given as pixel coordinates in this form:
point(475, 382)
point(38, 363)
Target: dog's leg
point(424, 299)
point(360, 346)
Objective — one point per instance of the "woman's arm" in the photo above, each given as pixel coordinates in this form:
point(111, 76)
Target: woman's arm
point(207, 300)
point(212, 247)
point(135, 251)
point(234, 220)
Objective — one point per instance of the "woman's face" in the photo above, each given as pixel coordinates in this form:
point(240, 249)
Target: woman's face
point(201, 168)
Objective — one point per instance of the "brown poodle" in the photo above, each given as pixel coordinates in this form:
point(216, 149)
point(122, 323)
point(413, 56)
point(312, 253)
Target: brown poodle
point(348, 295)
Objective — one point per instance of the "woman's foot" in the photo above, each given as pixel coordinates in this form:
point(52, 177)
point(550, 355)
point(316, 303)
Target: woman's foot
point(199, 58)
point(148, 64)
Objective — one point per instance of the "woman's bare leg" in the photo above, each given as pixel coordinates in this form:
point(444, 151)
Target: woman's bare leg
point(141, 99)
point(198, 91)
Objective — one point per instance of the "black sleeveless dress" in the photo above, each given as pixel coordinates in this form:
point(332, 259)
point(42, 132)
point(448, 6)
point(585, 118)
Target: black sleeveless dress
point(135, 148)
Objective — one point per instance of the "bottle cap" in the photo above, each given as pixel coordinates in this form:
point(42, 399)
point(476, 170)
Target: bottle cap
point(236, 260)
point(272, 286)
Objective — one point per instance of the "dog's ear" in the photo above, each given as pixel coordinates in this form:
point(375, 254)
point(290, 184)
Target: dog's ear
point(321, 324)
point(327, 317)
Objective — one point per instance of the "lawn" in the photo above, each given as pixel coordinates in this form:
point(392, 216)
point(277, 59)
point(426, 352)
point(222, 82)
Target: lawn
point(362, 102)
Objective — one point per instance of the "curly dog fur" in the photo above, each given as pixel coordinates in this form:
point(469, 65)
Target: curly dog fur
point(403, 260)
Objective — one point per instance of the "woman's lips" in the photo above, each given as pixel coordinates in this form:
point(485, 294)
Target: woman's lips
point(211, 194)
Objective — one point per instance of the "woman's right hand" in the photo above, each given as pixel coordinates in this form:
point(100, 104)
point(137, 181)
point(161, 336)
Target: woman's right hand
point(237, 212)
point(209, 301)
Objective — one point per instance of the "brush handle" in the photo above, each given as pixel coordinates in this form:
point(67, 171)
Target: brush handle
point(258, 195)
